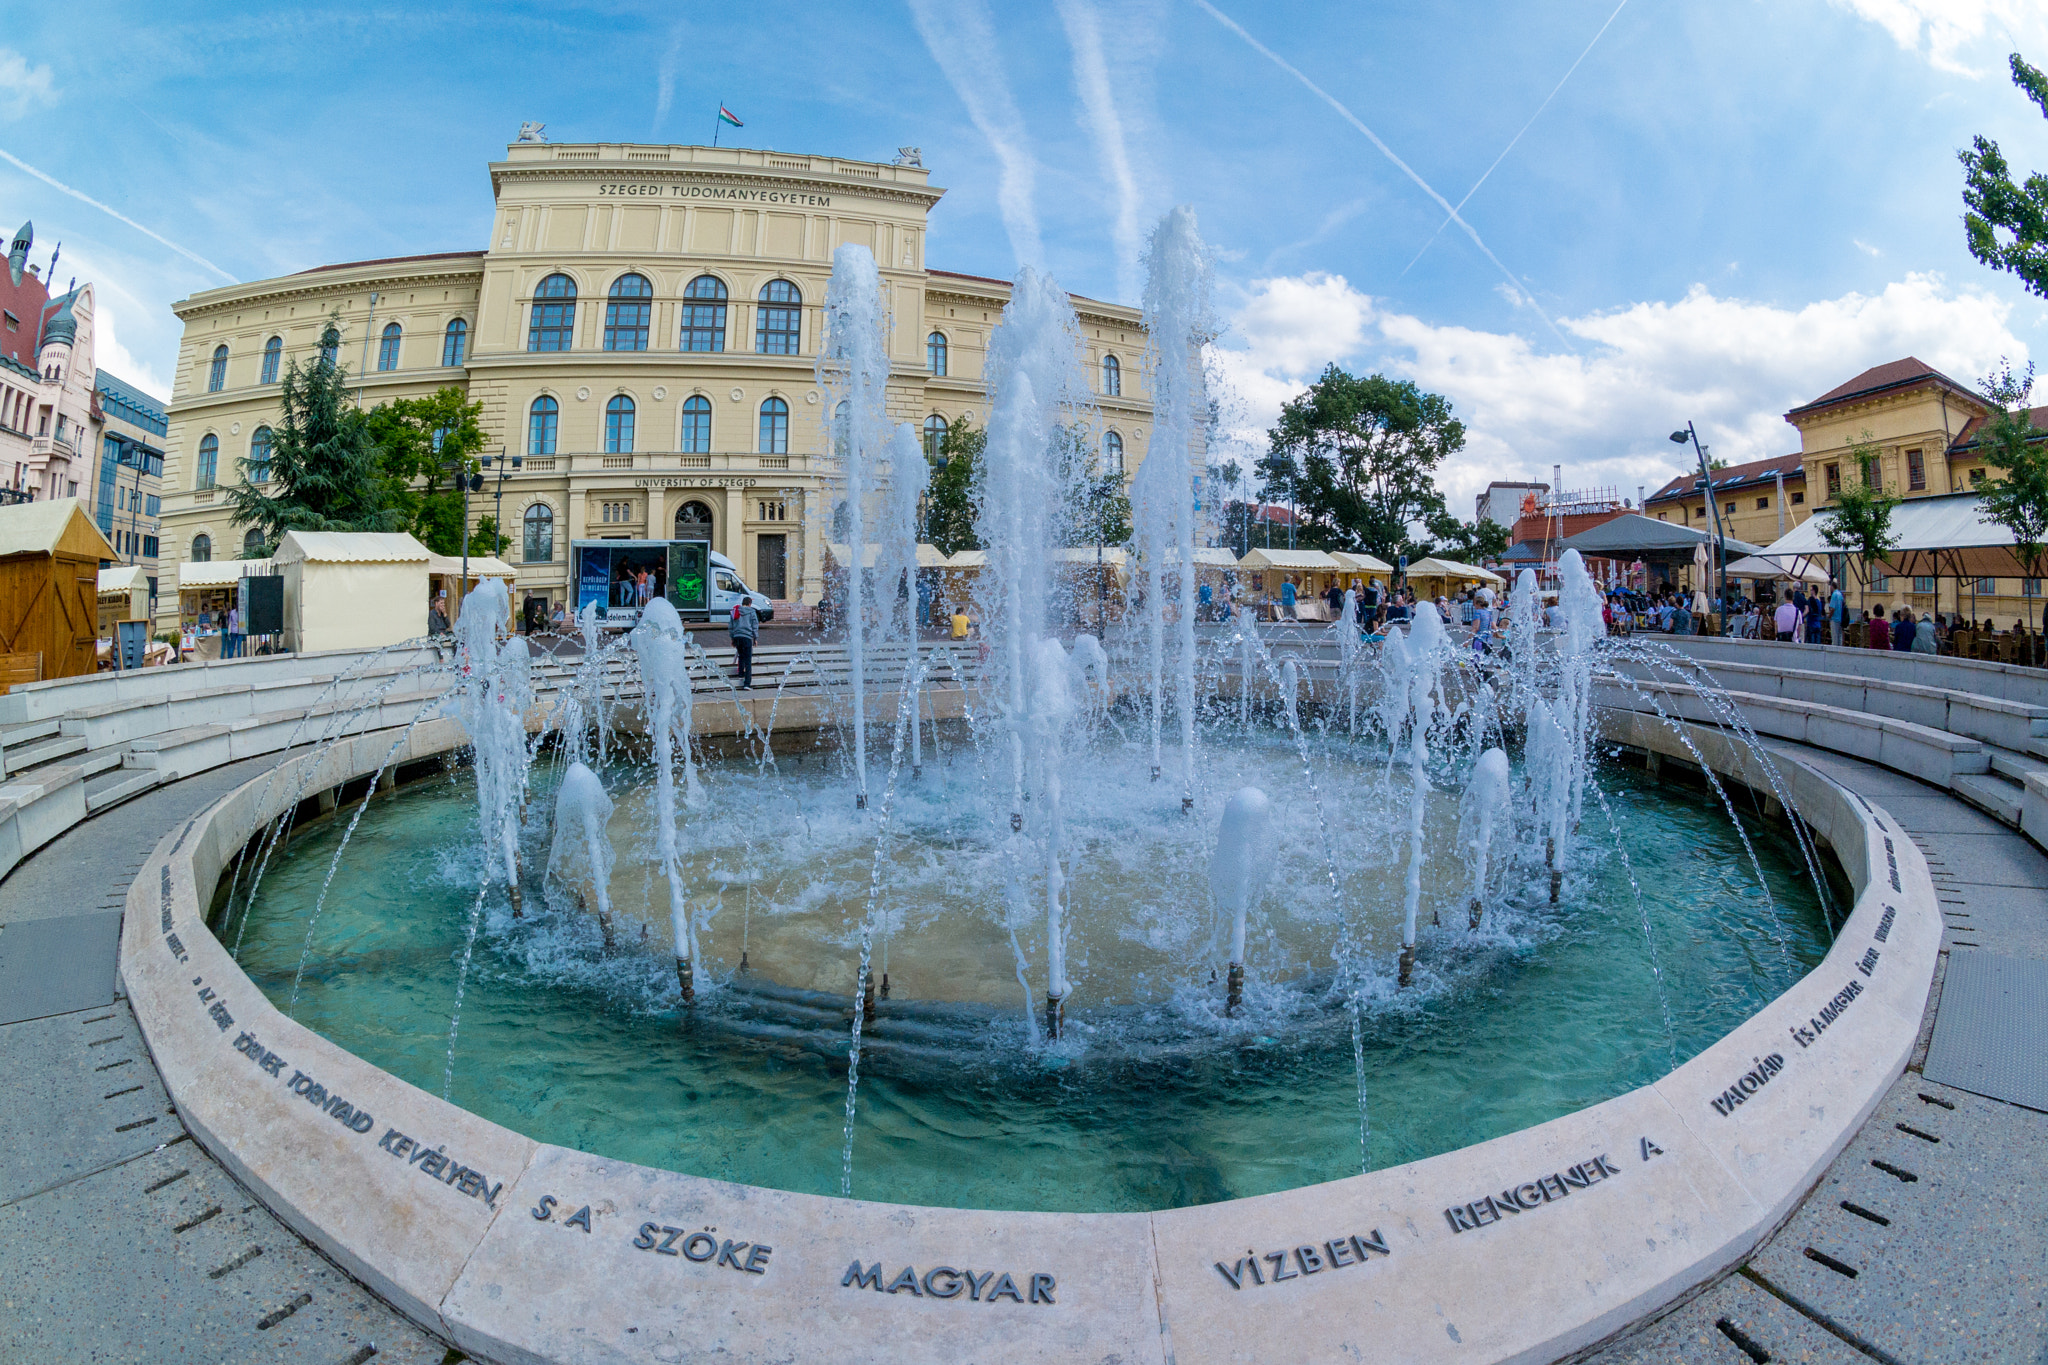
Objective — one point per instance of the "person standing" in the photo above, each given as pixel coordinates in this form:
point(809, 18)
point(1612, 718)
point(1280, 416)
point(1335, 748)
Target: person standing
point(1878, 630)
point(1904, 628)
point(1834, 612)
point(1287, 599)
point(1787, 621)
point(924, 601)
point(232, 636)
point(745, 629)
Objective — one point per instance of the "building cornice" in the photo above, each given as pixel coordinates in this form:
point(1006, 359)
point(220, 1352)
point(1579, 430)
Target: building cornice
point(579, 161)
point(322, 281)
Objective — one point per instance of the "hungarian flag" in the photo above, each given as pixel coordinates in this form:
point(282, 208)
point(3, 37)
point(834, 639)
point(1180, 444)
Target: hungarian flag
point(726, 115)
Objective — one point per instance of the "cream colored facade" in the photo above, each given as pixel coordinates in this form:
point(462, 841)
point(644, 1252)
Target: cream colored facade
point(1921, 423)
point(597, 213)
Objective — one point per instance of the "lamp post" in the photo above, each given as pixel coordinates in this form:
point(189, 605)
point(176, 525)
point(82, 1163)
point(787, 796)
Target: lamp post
point(505, 467)
point(1720, 584)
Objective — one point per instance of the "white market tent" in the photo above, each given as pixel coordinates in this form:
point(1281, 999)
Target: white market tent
point(1352, 562)
point(928, 556)
point(1939, 536)
point(1451, 571)
point(1776, 567)
point(219, 573)
point(1289, 561)
point(124, 596)
point(353, 589)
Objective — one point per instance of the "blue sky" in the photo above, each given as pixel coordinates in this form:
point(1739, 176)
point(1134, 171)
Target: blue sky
point(1729, 207)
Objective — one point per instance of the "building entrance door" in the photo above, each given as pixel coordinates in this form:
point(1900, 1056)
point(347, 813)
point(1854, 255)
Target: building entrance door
point(693, 522)
point(771, 566)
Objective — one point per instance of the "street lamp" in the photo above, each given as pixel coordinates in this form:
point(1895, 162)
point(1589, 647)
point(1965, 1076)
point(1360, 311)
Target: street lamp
point(1720, 584)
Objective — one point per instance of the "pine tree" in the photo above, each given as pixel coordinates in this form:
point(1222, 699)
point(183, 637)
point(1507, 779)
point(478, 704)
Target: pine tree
point(323, 472)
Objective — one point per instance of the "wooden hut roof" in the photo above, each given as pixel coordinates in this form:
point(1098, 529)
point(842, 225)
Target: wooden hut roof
point(55, 526)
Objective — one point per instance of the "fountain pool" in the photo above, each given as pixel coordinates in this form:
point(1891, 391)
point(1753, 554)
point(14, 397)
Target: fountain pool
point(1154, 1099)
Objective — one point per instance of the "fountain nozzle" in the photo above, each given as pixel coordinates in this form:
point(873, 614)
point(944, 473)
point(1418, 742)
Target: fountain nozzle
point(515, 902)
point(1155, 772)
point(1236, 996)
point(1187, 804)
point(1475, 911)
point(686, 978)
point(1407, 963)
point(885, 985)
point(743, 960)
point(916, 772)
point(867, 997)
point(1017, 821)
point(860, 801)
point(1055, 1016)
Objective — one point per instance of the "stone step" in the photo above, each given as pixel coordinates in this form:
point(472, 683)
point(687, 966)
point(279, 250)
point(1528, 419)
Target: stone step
point(23, 734)
point(1992, 793)
point(2014, 767)
point(114, 795)
point(45, 751)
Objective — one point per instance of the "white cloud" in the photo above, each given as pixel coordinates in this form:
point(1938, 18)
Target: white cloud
point(1948, 30)
point(23, 87)
point(110, 354)
point(1732, 366)
point(962, 41)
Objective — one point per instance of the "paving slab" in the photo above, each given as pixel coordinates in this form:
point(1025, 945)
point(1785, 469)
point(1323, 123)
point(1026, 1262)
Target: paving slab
point(168, 1259)
point(1991, 1037)
point(1710, 1329)
point(1931, 812)
point(55, 966)
point(77, 1094)
point(1958, 1269)
point(1993, 860)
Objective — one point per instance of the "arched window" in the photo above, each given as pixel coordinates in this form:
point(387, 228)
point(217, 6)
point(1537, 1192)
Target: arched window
point(273, 356)
point(259, 455)
point(387, 346)
point(209, 461)
point(202, 548)
point(1112, 377)
point(696, 436)
point(554, 315)
point(934, 436)
point(693, 521)
point(542, 420)
point(842, 428)
point(935, 353)
point(454, 341)
point(251, 543)
point(217, 376)
point(540, 533)
point(774, 427)
point(618, 425)
point(779, 320)
point(627, 314)
point(1113, 454)
point(704, 314)
point(330, 346)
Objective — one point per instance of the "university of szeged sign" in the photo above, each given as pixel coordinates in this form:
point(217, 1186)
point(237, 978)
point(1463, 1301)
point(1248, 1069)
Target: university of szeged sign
point(700, 481)
point(619, 189)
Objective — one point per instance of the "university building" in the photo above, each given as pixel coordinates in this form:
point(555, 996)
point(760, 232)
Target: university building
point(641, 329)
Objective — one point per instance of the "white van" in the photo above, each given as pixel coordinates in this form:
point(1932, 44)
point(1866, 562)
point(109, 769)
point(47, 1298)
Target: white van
point(728, 588)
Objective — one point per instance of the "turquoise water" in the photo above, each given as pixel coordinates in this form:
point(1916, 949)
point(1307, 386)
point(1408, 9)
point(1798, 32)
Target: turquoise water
point(1551, 1010)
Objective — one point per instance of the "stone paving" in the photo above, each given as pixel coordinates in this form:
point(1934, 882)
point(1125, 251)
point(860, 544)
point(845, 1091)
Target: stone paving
point(121, 1240)
point(1925, 1241)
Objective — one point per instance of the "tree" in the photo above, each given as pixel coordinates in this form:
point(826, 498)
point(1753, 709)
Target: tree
point(949, 506)
point(1858, 520)
point(422, 443)
point(323, 471)
point(1366, 449)
point(2007, 223)
point(1464, 542)
point(2012, 443)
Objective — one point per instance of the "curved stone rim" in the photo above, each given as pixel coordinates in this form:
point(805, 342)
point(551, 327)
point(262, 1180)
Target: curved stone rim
point(1526, 1247)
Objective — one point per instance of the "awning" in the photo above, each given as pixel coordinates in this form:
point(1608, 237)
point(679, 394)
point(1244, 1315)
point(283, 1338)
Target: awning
point(928, 556)
point(1634, 536)
point(122, 578)
point(1289, 561)
point(1778, 566)
point(1352, 562)
point(219, 573)
point(1432, 567)
point(1945, 535)
point(351, 547)
point(480, 566)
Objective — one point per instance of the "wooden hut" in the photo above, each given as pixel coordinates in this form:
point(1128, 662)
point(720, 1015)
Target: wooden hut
point(50, 556)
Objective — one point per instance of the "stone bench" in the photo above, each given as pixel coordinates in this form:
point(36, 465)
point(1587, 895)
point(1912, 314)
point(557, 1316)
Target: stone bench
point(2007, 682)
point(124, 721)
point(196, 748)
point(1932, 755)
point(62, 696)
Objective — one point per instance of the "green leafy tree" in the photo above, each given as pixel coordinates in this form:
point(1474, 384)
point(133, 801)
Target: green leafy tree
point(1858, 520)
point(949, 506)
point(1462, 541)
point(424, 446)
point(323, 470)
point(1367, 449)
point(2007, 222)
point(2011, 443)
point(1097, 509)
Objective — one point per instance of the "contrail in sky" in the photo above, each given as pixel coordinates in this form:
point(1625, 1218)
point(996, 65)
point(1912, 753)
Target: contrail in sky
point(1517, 137)
point(52, 181)
point(1091, 80)
point(961, 38)
point(1388, 153)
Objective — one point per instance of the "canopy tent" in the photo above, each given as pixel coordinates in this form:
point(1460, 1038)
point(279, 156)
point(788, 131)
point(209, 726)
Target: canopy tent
point(1634, 536)
point(1351, 562)
point(50, 555)
point(1766, 566)
point(1289, 561)
point(928, 555)
point(123, 596)
point(1942, 535)
point(218, 573)
point(353, 589)
point(1451, 571)
point(444, 574)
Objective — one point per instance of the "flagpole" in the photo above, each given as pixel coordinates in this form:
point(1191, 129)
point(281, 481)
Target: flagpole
point(715, 121)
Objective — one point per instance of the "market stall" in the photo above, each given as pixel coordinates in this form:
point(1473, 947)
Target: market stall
point(1262, 572)
point(352, 589)
point(444, 575)
point(50, 556)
